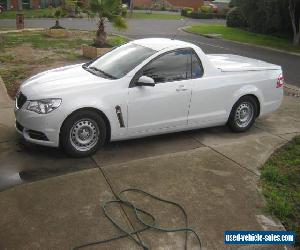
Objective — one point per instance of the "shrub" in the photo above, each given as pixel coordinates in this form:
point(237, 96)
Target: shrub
point(155, 6)
point(206, 9)
point(188, 10)
point(200, 15)
point(183, 12)
point(70, 7)
point(224, 11)
point(236, 18)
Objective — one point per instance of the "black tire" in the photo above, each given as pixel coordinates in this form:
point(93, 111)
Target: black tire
point(234, 123)
point(84, 116)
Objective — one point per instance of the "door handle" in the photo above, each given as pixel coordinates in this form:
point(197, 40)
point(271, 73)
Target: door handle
point(181, 88)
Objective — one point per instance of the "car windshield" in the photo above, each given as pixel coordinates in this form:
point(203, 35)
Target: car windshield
point(121, 60)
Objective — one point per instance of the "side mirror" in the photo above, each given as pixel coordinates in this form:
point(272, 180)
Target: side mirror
point(145, 81)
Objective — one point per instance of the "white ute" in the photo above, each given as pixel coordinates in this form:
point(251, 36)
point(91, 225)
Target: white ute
point(145, 87)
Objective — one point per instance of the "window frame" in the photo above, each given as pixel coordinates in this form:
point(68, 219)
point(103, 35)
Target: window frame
point(166, 53)
point(200, 63)
point(138, 73)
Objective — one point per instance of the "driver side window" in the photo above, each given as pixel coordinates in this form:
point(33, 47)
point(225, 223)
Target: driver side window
point(172, 66)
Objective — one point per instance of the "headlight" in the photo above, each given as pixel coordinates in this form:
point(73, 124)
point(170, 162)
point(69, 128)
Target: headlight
point(44, 106)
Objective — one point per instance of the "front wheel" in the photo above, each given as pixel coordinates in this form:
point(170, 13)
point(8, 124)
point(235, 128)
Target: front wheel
point(243, 114)
point(82, 133)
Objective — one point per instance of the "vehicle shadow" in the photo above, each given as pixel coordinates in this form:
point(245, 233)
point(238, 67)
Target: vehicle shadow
point(25, 162)
point(30, 162)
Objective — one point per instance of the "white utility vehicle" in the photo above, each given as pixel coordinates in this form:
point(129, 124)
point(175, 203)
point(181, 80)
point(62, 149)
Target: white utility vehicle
point(145, 87)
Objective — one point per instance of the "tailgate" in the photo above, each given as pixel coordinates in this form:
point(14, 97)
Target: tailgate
point(235, 63)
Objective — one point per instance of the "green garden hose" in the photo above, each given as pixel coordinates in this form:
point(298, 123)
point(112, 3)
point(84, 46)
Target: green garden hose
point(138, 212)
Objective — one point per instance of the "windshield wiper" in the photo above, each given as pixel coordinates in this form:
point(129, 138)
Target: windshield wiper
point(85, 67)
point(102, 72)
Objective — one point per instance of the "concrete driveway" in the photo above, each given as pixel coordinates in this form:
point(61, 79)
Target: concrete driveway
point(212, 173)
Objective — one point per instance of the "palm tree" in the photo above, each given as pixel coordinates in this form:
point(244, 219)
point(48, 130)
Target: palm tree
point(106, 9)
point(57, 15)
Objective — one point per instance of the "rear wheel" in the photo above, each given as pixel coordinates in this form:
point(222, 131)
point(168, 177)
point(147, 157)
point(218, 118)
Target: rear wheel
point(243, 114)
point(82, 133)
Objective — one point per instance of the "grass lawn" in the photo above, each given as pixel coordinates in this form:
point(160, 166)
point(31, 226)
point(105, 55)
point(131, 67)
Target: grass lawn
point(27, 53)
point(243, 36)
point(31, 13)
point(280, 181)
point(158, 16)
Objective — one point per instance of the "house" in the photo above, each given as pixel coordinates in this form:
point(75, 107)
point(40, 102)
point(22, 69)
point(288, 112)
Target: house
point(221, 4)
point(195, 4)
point(28, 4)
point(34, 4)
point(177, 4)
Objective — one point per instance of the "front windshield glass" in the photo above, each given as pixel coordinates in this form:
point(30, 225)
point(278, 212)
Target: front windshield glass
point(121, 60)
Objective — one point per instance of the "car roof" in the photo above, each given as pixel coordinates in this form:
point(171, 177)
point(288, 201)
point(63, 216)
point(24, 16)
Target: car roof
point(161, 43)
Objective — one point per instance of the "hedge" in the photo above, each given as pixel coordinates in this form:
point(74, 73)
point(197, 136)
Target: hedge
point(201, 15)
point(236, 18)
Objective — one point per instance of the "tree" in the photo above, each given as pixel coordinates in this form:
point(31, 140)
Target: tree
point(278, 17)
point(58, 13)
point(69, 7)
point(233, 3)
point(102, 10)
point(262, 16)
point(295, 19)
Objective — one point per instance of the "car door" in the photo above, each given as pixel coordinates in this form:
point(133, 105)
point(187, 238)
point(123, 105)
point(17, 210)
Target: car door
point(210, 96)
point(164, 106)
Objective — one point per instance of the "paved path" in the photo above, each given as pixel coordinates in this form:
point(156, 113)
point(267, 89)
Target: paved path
point(139, 28)
point(212, 173)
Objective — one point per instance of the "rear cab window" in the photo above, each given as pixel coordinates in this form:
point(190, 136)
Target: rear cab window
point(196, 66)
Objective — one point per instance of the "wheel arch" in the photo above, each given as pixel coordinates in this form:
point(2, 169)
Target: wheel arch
point(99, 112)
point(256, 100)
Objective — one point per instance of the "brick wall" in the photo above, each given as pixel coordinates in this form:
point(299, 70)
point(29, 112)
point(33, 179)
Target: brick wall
point(14, 4)
point(195, 4)
point(141, 3)
point(35, 4)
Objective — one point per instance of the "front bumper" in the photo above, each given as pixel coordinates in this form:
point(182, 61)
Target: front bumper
point(42, 129)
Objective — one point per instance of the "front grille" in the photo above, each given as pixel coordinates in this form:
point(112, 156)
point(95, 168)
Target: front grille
point(21, 99)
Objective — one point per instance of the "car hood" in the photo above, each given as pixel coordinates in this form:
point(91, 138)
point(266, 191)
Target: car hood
point(56, 82)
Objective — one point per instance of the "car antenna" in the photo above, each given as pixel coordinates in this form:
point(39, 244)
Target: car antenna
point(179, 29)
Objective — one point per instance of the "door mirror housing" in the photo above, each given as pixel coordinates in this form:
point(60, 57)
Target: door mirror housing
point(145, 81)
